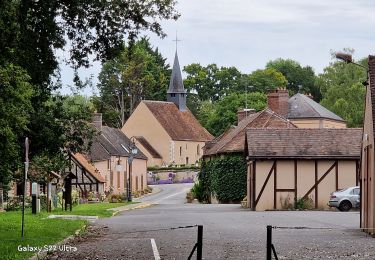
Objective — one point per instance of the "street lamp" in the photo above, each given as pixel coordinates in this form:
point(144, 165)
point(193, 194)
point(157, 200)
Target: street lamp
point(347, 58)
point(133, 152)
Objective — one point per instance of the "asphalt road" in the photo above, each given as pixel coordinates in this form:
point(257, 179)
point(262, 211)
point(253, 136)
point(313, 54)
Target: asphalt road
point(229, 232)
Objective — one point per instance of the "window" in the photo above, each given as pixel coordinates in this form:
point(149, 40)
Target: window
point(187, 160)
point(198, 150)
point(111, 179)
point(180, 150)
point(355, 191)
point(118, 180)
point(109, 164)
point(136, 183)
point(141, 182)
point(173, 95)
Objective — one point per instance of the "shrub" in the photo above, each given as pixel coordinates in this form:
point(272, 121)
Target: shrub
point(15, 203)
point(304, 203)
point(198, 192)
point(225, 178)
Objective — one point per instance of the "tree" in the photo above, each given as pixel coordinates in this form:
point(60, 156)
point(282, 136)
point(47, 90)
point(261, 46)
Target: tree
point(213, 83)
point(217, 117)
point(343, 92)
point(297, 76)
point(15, 106)
point(265, 80)
point(138, 73)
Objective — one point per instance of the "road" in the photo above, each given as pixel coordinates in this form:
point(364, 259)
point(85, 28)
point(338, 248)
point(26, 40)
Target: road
point(229, 232)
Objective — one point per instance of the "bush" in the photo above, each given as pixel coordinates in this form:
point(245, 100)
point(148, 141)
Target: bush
point(225, 178)
point(302, 203)
point(15, 203)
point(198, 192)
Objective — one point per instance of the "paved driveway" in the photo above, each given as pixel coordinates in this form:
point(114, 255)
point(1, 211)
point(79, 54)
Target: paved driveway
point(229, 233)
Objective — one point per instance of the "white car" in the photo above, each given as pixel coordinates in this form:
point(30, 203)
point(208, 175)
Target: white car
point(345, 199)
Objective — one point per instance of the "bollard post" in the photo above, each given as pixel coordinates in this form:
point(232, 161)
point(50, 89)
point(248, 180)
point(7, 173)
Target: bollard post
point(200, 242)
point(269, 242)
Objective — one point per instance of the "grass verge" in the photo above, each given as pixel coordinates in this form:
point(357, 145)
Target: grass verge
point(39, 232)
point(93, 209)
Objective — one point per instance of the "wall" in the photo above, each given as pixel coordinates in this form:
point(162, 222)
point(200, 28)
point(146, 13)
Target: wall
point(290, 188)
point(119, 183)
point(318, 123)
point(188, 150)
point(143, 123)
point(367, 169)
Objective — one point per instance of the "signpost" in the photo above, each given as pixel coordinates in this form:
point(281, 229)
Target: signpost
point(24, 185)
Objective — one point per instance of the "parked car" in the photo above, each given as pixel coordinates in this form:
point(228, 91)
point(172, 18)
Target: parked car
point(345, 199)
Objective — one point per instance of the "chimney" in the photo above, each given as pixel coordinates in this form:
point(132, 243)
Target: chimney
point(242, 113)
point(97, 120)
point(278, 101)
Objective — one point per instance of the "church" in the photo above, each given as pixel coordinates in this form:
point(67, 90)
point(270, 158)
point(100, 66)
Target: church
point(167, 132)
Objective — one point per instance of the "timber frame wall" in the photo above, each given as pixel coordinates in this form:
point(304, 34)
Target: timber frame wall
point(274, 182)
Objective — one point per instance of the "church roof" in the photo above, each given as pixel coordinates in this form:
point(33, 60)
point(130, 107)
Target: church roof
point(301, 106)
point(234, 139)
point(180, 125)
point(111, 142)
point(176, 84)
point(343, 143)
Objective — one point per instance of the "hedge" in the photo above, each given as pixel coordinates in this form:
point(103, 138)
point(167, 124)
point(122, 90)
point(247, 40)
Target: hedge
point(223, 177)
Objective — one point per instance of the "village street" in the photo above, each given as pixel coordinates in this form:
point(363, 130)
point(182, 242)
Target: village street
point(229, 232)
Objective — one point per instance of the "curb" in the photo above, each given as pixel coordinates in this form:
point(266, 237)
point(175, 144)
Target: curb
point(137, 207)
point(42, 255)
point(152, 193)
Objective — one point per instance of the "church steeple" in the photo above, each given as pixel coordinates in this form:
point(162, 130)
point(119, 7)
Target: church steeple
point(176, 92)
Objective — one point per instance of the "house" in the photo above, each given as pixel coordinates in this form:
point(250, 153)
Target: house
point(233, 140)
point(368, 153)
point(110, 153)
point(287, 164)
point(167, 132)
point(302, 110)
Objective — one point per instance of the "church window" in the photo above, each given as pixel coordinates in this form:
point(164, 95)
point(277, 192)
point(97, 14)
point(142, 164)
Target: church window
point(180, 150)
point(198, 150)
point(187, 160)
point(118, 180)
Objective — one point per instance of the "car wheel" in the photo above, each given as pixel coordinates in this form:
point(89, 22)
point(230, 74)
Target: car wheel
point(345, 206)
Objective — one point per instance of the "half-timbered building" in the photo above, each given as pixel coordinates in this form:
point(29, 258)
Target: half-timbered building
point(288, 164)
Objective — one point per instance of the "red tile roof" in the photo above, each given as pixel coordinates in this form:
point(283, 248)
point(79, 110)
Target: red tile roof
point(89, 167)
point(343, 143)
point(234, 140)
point(180, 125)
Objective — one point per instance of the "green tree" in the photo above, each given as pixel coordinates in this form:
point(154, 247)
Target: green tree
point(213, 83)
point(217, 117)
point(265, 80)
point(343, 92)
point(138, 73)
point(297, 76)
point(15, 106)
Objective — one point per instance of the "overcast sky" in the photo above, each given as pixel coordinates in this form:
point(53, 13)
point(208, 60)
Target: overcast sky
point(249, 33)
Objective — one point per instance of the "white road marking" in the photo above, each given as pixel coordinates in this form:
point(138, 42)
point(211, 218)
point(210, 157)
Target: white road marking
point(155, 249)
point(175, 194)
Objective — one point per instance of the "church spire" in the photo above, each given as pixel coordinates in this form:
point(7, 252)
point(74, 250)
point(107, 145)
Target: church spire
point(176, 92)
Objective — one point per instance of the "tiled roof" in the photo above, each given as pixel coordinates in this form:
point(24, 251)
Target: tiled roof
point(180, 125)
point(148, 147)
point(111, 142)
point(88, 167)
point(234, 140)
point(301, 106)
point(342, 143)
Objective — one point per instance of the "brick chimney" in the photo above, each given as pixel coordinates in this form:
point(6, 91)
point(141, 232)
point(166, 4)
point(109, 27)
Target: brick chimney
point(278, 101)
point(97, 120)
point(242, 113)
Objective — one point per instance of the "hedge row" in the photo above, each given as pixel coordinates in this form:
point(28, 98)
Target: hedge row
point(223, 177)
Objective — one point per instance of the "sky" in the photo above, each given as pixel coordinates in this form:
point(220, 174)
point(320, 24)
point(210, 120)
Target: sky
point(247, 34)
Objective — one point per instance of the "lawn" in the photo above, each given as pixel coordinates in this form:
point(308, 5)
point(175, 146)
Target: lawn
point(93, 209)
point(38, 232)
